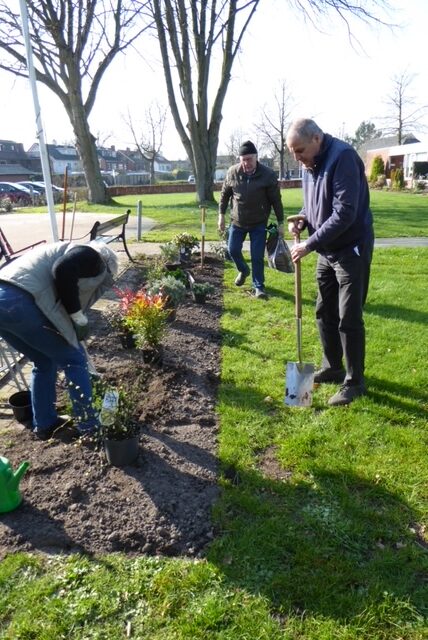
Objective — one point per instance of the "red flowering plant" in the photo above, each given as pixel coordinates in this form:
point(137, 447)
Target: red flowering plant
point(142, 315)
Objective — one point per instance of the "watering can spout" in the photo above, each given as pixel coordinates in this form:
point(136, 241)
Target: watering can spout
point(10, 496)
point(17, 476)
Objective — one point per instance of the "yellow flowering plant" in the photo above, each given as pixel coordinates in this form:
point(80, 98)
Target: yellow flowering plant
point(143, 315)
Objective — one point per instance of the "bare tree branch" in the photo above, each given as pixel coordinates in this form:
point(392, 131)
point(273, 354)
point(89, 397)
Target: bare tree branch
point(404, 116)
point(73, 43)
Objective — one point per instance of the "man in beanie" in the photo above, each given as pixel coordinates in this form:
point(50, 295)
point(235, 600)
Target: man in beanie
point(253, 190)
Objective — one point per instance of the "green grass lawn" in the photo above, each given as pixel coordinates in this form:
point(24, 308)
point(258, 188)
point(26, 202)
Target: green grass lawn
point(322, 521)
point(395, 214)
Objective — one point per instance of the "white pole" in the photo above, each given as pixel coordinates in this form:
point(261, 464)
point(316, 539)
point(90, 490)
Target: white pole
point(39, 127)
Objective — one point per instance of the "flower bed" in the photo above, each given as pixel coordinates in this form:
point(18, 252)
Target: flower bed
point(75, 501)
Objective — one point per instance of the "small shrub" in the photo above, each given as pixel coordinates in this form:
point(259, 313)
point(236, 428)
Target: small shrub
point(419, 186)
point(170, 252)
point(144, 316)
point(6, 204)
point(377, 169)
point(185, 241)
point(380, 182)
point(169, 287)
point(203, 288)
point(397, 179)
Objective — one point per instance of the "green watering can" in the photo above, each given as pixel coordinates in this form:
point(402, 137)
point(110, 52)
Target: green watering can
point(10, 497)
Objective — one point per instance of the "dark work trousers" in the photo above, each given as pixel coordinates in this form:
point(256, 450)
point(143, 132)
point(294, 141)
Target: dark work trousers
point(343, 280)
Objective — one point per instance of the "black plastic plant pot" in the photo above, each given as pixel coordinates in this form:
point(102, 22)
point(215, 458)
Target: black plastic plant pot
point(127, 340)
point(120, 453)
point(200, 298)
point(153, 355)
point(20, 402)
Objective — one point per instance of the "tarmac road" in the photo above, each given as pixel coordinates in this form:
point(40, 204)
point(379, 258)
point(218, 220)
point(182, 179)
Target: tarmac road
point(22, 229)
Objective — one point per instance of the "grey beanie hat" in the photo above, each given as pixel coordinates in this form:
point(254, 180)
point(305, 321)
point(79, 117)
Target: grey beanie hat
point(247, 148)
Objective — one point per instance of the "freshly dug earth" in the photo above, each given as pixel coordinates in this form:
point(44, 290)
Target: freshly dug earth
point(161, 504)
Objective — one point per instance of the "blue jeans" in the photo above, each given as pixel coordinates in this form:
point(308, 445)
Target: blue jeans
point(27, 330)
point(257, 234)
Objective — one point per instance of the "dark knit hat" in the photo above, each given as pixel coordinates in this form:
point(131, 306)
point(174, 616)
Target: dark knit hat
point(247, 148)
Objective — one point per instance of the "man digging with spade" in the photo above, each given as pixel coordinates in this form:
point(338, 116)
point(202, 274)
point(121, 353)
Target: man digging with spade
point(340, 226)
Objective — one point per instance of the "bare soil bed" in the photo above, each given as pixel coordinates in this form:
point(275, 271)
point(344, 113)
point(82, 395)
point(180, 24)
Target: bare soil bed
point(75, 502)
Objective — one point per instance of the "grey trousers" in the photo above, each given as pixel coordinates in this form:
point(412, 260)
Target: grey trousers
point(343, 280)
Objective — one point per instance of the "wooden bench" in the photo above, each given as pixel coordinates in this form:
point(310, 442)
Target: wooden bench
point(99, 231)
point(7, 253)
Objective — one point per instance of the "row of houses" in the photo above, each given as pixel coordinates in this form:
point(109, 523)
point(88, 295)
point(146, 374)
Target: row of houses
point(411, 156)
point(126, 166)
point(17, 164)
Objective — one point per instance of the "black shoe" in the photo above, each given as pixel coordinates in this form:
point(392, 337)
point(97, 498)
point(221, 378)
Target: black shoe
point(329, 375)
point(66, 432)
point(46, 434)
point(346, 394)
point(241, 277)
point(43, 434)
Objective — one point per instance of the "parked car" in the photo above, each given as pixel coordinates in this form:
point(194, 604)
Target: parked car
point(32, 187)
point(191, 179)
point(39, 188)
point(17, 195)
point(54, 187)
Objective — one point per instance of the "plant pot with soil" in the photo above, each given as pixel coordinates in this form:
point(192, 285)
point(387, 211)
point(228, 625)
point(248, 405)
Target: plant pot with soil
point(201, 291)
point(170, 253)
point(120, 432)
point(20, 403)
point(186, 243)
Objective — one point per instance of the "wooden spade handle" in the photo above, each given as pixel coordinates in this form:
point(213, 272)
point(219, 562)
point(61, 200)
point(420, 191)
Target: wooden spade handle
point(297, 271)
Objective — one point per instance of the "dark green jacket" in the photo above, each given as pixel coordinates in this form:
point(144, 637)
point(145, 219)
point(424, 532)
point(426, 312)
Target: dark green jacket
point(251, 197)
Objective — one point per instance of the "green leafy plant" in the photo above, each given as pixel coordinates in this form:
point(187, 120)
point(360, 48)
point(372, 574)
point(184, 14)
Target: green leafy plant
point(180, 275)
point(121, 423)
point(186, 241)
point(170, 252)
point(154, 269)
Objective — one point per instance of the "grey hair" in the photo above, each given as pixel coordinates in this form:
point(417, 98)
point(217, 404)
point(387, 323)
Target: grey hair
point(304, 129)
point(109, 256)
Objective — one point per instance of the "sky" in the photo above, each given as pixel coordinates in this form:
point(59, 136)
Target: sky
point(337, 82)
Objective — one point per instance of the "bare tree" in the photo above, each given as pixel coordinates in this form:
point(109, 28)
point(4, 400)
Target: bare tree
point(233, 143)
point(190, 32)
point(74, 42)
point(274, 124)
point(404, 115)
point(149, 142)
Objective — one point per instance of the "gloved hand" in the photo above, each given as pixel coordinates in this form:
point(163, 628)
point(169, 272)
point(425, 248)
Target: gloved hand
point(81, 324)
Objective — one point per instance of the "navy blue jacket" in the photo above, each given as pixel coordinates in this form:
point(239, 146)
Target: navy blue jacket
point(336, 199)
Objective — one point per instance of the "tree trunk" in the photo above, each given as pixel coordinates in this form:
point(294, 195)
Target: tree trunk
point(86, 147)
